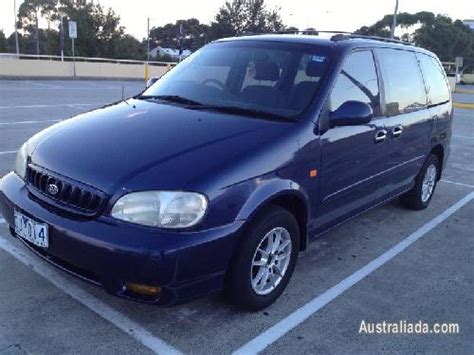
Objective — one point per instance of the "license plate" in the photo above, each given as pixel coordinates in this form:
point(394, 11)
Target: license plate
point(32, 231)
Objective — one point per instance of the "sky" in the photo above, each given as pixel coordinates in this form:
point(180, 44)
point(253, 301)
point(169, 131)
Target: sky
point(341, 15)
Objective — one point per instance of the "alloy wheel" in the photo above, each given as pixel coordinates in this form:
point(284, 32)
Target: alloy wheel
point(270, 261)
point(429, 181)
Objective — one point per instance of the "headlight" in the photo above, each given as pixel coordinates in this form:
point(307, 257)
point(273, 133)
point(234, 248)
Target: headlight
point(20, 162)
point(165, 209)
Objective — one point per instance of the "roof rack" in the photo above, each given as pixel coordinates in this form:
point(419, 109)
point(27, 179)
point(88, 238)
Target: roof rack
point(337, 35)
point(311, 31)
point(343, 35)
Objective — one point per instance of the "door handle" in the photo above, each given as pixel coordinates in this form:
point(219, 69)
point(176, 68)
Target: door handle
point(397, 131)
point(380, 136)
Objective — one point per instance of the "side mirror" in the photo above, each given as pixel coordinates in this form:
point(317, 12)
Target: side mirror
point(351, 113)
point(151, 81)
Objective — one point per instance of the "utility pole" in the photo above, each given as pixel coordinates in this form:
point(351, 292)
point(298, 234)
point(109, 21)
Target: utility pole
point(147, 49)
point(148, 39)
point(16, 29)
point(61, 39)
point(37, 33)
point(394, 20)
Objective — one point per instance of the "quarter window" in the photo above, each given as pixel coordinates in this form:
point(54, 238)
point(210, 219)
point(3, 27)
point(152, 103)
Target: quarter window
point(357, 81)
point(435, 80)
point(403, 83)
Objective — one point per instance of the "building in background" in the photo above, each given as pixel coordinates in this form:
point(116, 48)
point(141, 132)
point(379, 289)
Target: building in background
point(469, 23)
point(168, 52)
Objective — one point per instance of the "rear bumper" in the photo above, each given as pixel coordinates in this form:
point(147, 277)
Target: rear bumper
point(185, 265)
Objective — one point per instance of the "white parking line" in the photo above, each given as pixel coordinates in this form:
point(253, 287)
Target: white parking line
point(42, 85)
point(465, 137)
point(118, 319)
point(457, 183)
point(8, 152)
point(27, 122)
point(278, 330)
point(47, 106)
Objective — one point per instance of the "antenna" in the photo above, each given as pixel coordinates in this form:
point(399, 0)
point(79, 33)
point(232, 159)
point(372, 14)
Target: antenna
point(123, 90)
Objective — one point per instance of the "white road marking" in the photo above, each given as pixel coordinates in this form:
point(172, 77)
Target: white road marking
point(47, 106)
point(118, 319)
point(2, 221)
point(42, 85)
point(278, 330)
point(8, 152)
point(457, 183)
point(459, 136)
point(27, 122)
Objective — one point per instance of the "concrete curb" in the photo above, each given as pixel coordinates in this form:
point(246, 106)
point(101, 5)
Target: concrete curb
point(469, 106)
point(464, 91)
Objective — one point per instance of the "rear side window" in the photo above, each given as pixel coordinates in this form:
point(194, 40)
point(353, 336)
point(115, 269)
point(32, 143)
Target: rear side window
point(436, 86)
point(357, 81)
point(403, 83)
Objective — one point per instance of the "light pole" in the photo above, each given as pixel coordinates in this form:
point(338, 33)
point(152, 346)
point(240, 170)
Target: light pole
point(16, 29)
point(394, 20)
point(148, 40)
point(61, 39)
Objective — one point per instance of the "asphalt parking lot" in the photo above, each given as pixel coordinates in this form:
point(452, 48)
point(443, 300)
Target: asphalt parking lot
point(389, 264)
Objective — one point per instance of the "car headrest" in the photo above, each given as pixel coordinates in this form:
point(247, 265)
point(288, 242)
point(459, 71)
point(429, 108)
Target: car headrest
point(315, 69)
point(266, 70)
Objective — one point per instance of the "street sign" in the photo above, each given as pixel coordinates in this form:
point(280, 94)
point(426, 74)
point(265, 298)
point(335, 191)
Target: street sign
point(72, 29)
point(459, 61)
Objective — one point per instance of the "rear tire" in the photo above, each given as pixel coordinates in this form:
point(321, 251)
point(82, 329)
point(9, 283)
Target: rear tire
point(419, 197)
point(265, 261)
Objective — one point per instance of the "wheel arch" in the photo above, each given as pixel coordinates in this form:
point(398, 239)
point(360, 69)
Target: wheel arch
point(438, 151)
point(291, 198)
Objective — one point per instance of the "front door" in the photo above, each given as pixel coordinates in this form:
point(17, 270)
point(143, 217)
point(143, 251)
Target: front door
point(351, 155)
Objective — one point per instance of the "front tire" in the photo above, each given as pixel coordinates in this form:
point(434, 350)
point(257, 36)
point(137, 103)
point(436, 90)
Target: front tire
point(265, 260)
point(419, 197)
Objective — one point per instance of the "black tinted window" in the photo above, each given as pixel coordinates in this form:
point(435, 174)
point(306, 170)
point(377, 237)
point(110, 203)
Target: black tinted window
point(357, 81)
point(433, 73)
point(403, 83)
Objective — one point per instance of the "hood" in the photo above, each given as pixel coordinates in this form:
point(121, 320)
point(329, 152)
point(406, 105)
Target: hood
point(123, 146)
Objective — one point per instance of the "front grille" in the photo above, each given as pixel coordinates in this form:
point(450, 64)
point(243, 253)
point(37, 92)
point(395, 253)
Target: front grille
point(63, 192)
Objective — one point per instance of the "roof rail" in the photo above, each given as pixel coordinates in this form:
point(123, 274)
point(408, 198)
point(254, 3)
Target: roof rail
point(311, 31)
point(341, 37)
point(337, 35)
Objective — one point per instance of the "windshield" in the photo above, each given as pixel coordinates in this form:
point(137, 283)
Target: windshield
point(273, 79)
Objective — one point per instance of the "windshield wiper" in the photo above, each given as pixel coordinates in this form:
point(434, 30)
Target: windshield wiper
point(192, 104)
point(246, 111)
point(172, 98)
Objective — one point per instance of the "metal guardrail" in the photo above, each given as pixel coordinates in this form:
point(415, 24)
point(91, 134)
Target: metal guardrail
point(82, 59)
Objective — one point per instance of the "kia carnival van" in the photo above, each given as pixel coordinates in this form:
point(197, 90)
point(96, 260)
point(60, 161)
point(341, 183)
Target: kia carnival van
point(219, 174)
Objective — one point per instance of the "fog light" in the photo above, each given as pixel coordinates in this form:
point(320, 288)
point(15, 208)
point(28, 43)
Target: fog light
point(143, 289)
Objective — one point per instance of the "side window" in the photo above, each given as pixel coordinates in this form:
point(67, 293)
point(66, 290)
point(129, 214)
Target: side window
point(403, 83)
point(435, 80)
point(357, 81)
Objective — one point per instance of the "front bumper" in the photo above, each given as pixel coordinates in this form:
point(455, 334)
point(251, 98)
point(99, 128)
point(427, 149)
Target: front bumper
point(185, 264)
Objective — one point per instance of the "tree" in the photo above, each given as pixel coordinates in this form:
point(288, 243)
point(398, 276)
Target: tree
point(97, 29)
point(128, 47)
point(28, 15)
point(437, 33)
point(446, 38)
point(245, 16)
point(195, 34)
point(3, 42)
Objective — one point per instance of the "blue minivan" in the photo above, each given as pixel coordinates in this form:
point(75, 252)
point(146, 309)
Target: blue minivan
point(217, 176)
